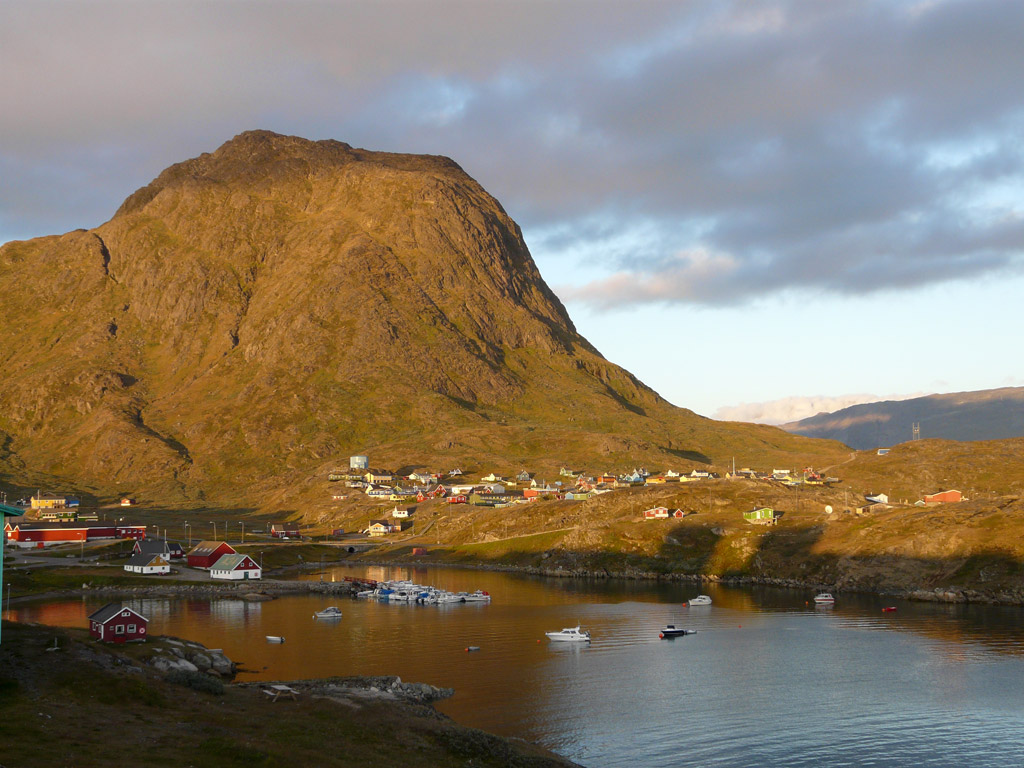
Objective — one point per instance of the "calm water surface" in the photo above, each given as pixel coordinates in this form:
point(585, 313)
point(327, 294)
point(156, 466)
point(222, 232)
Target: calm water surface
point(768, 680)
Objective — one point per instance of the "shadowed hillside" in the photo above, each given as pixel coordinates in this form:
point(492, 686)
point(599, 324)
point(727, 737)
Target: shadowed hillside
point(256, 314)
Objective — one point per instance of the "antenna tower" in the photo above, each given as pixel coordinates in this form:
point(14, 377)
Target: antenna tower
point(917, 430)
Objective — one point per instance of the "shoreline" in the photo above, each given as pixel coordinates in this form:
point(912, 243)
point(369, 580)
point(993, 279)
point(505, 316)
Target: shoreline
point(268, 589)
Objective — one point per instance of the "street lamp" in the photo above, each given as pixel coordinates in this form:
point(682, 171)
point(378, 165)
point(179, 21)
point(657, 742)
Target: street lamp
point(188, 528)
point(214, 524)
point(243, 531)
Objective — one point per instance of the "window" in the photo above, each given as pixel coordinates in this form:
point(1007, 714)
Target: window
point(119, 629)
point(131, 629)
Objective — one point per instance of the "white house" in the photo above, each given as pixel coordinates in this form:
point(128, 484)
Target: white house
point(878, 498)
point(236, 567)
point(400, 512)
point(148, 564)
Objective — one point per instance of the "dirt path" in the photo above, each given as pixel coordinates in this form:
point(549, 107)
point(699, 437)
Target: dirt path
point(853, 455)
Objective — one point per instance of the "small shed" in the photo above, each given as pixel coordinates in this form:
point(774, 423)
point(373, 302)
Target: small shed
point(236, 567)
point(153, 563)
point(117, 623)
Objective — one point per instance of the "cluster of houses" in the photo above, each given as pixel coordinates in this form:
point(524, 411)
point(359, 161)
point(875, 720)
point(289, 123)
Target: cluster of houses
point(220, 559)
point(495, 490)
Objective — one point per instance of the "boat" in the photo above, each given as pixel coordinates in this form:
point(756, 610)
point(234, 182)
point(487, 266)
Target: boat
point(824, 598)
point(889, 609)
point(570, 634)
point(274, 639)
point(334, 612)
point(671, 630)
point(474, 597)
point(700, 600)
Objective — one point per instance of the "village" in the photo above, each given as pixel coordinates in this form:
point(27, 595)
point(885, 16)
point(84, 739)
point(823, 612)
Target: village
point(56, 519)
point(494, 490)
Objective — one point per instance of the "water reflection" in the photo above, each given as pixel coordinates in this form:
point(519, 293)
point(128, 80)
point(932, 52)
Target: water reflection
point(769, 679)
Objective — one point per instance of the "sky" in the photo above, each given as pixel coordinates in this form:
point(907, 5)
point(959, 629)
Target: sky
point(761, 209)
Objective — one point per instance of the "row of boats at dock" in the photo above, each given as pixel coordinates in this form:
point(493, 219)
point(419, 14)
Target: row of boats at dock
point(408, 592)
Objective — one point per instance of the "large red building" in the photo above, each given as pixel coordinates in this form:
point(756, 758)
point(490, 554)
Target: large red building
point(206, 553)
point(27, 535)
point(943, 497)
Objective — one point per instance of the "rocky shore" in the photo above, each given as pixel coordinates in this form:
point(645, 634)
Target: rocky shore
point(380, 688)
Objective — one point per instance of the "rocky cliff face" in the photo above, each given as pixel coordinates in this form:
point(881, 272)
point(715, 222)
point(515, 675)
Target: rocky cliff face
point(255, 314)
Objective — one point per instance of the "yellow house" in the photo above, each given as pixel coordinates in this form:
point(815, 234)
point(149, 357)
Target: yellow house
point(52, 501)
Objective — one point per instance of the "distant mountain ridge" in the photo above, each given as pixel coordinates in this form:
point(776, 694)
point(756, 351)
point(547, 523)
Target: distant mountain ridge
point(991, 414)
point(255, 315)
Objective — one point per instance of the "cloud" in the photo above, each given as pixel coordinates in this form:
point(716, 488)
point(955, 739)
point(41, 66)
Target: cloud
point(790, 409)
point(665, 152)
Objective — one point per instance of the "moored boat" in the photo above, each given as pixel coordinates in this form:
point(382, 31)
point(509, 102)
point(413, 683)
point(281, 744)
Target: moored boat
point(671, 630)
point(570, 634)
point(824, 598)
point(275, 639)
point(699, 600)
point(333, 612)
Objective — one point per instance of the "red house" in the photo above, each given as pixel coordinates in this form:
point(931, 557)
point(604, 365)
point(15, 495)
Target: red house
point(116, 623)
point(206, 553)
point(284, 530)
point(943, 497)
point(460, 498)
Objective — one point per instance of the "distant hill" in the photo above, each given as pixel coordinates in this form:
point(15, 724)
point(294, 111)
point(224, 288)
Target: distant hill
point(991, 414)
point(255, 315)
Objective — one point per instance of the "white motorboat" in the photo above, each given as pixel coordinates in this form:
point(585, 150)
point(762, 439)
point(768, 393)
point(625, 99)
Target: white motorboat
point(824, 598)
point(474, 597)
point(700, 600)
point(570, 634)
point(334, 612)
point(274, 639)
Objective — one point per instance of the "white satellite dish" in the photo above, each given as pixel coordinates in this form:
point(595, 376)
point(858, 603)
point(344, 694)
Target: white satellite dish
point(828, 509)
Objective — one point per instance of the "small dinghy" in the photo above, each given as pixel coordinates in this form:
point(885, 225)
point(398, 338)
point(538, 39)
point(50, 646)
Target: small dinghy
point(671, 630)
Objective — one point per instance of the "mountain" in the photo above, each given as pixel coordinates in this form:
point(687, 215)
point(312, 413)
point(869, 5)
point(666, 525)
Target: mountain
point(255, 315)
point(990, 414)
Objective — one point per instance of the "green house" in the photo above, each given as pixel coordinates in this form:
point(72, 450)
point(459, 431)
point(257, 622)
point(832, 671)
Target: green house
point(5, 512)
point(762, 515)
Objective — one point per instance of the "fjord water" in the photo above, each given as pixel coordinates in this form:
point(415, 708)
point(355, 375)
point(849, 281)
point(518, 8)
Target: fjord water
point(768, 680)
